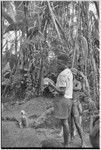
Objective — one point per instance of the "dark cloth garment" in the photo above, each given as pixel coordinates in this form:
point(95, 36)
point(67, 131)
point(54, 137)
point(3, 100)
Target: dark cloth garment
point(62, 111)
point(62, 107)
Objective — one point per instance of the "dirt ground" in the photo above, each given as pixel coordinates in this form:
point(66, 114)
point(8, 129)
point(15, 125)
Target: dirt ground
point(13, 136)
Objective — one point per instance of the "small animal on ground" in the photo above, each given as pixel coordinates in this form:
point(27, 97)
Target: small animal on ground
point(23, 120)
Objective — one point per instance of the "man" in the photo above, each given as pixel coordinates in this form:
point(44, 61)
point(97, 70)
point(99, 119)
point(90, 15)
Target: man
point(76, 112)
point(63, 100)
point(80, 91)
point(76, 108)
point(95, 132)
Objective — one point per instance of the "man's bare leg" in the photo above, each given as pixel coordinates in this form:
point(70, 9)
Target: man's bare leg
point(65, 125)
point(78, 126)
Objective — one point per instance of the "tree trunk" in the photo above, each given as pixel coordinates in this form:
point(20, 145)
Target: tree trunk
point(40, 77)
point(53, 17)
point(87, 34)
point(25, 4)
point(78, 32)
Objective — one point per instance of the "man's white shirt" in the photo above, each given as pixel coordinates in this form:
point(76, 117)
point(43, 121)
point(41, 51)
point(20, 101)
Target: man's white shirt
point(65, 79)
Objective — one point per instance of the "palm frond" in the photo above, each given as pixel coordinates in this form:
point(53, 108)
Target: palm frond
point(7, 17)
point(97, 6)
point(16, 26)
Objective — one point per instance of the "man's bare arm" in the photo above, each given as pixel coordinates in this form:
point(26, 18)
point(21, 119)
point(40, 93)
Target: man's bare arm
point(60, 90)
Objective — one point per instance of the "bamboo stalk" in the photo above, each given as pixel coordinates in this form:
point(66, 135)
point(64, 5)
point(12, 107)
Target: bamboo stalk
point(74, 56)
point(53, 17)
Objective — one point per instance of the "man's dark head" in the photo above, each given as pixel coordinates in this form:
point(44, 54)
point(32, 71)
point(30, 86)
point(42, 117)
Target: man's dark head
point(60, 67)
point(63, 62)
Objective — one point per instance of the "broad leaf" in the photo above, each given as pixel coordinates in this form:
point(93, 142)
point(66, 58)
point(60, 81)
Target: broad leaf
point(97, 7)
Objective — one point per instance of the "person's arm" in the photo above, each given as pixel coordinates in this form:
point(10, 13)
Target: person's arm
point(60, 90)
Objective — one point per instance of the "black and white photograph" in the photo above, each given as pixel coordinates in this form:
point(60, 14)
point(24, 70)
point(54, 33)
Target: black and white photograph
point(50, 74)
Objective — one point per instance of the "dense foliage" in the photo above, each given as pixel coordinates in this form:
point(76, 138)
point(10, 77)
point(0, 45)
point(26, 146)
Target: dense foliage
point(42, 31)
